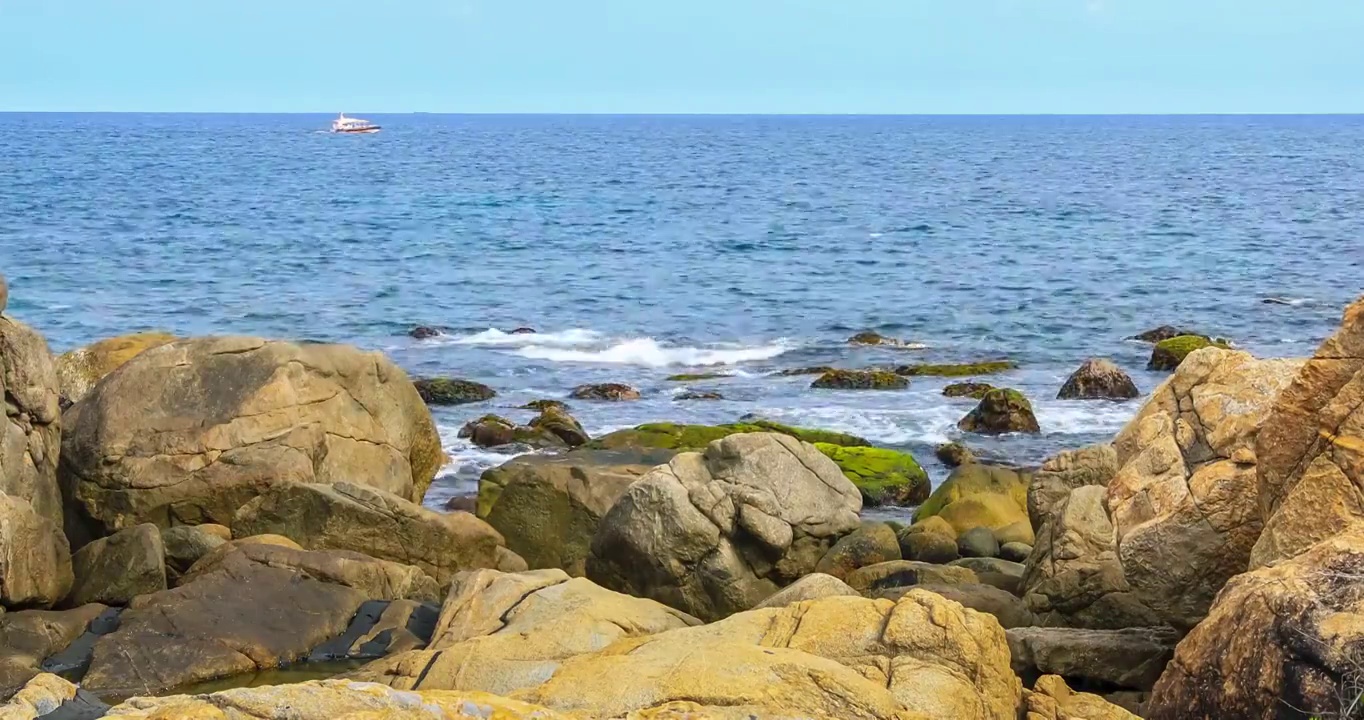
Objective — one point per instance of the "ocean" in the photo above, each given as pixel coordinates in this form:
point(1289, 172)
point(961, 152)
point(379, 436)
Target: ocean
point(643, 246)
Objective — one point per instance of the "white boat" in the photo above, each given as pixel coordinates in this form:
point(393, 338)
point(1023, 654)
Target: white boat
point(343, 124)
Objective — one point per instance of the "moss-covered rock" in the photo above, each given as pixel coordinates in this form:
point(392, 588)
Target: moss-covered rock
point(978, 495)
point(1164, 332)
point(878, 340)
point(539, 405)
point(697, 395)
point(985, 367)
point(860, 380)
point(885, 477)
point(692, 377)
point(612, 392)
point(975, 390)
point(452, 391)
point(675, 436)
point(489, 431)
point(811, 370)
point(870, 544)
point(1002, 410)
point(556, 420)
point(1168, 354)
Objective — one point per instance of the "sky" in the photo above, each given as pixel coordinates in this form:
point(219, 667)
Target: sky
point(684, 56)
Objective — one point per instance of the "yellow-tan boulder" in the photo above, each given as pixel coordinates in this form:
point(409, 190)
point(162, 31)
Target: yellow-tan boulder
point(81, 369)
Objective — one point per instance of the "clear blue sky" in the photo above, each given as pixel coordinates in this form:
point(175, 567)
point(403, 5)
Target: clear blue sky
point(684, 56)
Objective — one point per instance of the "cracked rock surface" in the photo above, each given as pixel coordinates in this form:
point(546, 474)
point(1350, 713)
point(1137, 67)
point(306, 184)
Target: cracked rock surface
point(717, 532)
point(1183, 502)
point(187, 432)
point(1311, 449)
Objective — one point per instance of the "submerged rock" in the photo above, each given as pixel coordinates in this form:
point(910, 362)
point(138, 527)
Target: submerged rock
point(452, 391)
point(811, 370)
point(692, 377)
point(422, 332)
point(610, 392)
point(976, 390)
point(1168, 354)
point(860, 380)
point(954, 454)
point(984, 367)
point(1001, 411)
point(879, 340)
point(1098, 379)
point(523, 331)
point(1164, 332)
point(717, 532)
point(698, 395)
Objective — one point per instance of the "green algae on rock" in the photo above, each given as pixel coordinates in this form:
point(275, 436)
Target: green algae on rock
point(884, 477)
point(1003, 410)
point(543, 405)
point(452, 391)
point(675, 436)
point(977, 495)
point(812, 370)
point(975, 390)
point(984, 367)
point(610, 392)
point(860, 380)
point(1168, 354)
point(876, 339)
point(689, 377)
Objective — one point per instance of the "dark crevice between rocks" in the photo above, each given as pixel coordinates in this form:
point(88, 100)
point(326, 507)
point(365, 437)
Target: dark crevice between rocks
point(338, 648)
point(83, 706)
point(72, 663)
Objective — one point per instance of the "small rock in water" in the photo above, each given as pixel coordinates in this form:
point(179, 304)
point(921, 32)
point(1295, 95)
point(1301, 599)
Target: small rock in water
point(975, 390)
point(452, 391)
point(1164, 332)
point(543, 405)
point(1098, 379)
point(860, 380)
point(955, 454)
point(1001, 411)
point(1168, 354)
point(422, 332)
point(877, 339)
point(523, 331)
point(1267, 301)
point(699, 395)
point(813, 370)
point(462, 503)
point(489, 431)
point(556, 421)
point(605, 391)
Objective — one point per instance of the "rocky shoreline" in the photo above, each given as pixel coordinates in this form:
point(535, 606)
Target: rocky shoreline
point(210, 527)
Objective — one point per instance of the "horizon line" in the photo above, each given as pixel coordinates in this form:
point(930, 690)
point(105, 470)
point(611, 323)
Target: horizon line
point(703, 114)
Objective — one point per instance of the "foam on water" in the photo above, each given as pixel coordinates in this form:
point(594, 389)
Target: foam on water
point(492, 337)
point(648, 352)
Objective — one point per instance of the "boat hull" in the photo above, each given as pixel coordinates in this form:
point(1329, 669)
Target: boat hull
point(358, 131)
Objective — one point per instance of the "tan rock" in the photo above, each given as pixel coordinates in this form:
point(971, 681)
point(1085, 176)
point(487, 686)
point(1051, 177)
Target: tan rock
point(501, 633)
point(29, 637)
point(374, 578)
point(873, 543)
point(81, 369)
point(186, 544)
point(329, 700)
point(1286, 635)
point(1065, 471)
point(548, 506)
point(40, 696)
point(380, 524)
point(904, 573)
point(1183, 503)
point(978, 495)
point(811, 587)
point(115, 569)
point(35, 559)
point(1310, 447)
point(717, 532)
point(186, 433)
point(1052, 699)
point(30, 433)
point(1073, 577)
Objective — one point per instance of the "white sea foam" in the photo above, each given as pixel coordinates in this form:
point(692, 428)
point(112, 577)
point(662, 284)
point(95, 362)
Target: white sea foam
point(648, 352)
point(492, 337)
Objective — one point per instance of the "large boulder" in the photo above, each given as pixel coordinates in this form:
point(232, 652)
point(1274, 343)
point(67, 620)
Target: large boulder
point(35, 559)
point(1098, 379)
point(1065, 471)
point(1131, 658)
point(188, 432)
point(1183, 503)
point(1002, 410)
point(1309, 472)
point(81, 369)
point(245, 607)
point(329, 700)
point(538, 639)
point(370, 521)
point(1281, 641)
point(113, 570)
point(978, 495)
point(1073, 577)
point(30, 433)
point(714, 533)
point(548, 507)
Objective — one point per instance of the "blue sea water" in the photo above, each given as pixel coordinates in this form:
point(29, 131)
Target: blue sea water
point(640, 247)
